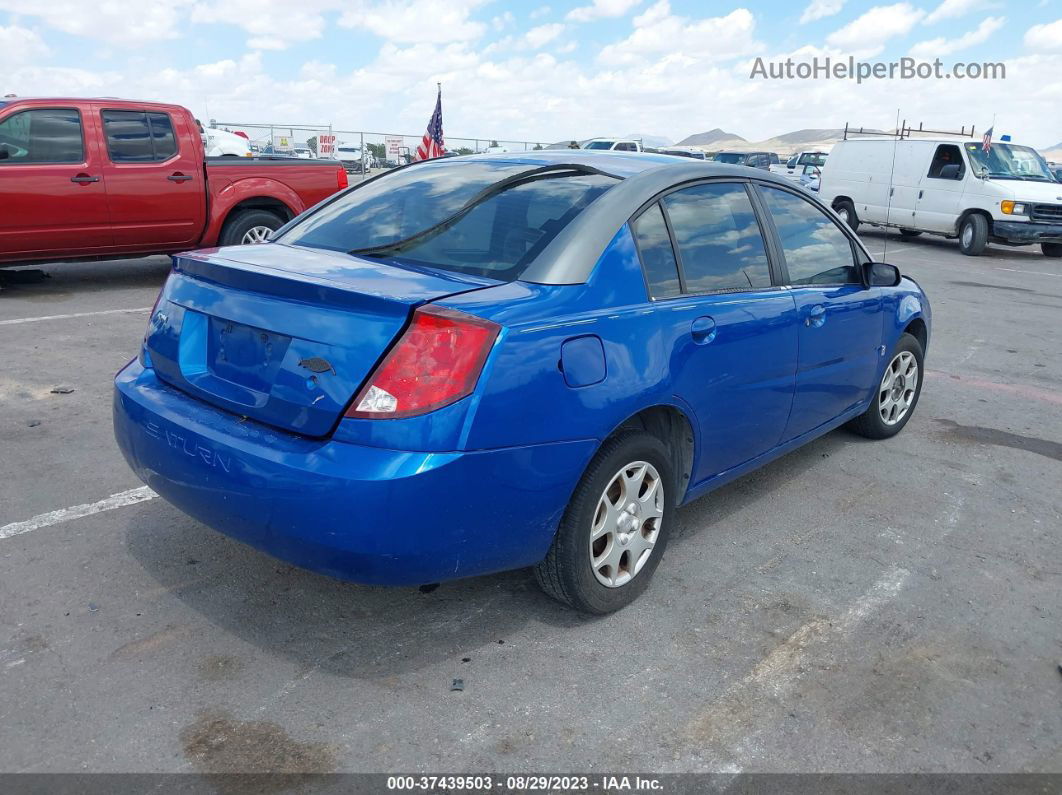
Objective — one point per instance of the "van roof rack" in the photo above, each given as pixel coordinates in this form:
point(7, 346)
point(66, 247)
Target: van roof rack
point(906, 131)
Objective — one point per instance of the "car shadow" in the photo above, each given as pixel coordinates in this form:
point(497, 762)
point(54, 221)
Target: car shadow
point(66, 279)
point(875, 239)
point(364, 632)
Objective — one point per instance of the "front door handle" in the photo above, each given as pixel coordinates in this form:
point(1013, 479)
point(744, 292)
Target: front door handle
point(703, 330)
point(84, 178)
point(816, 316)
point(179, 177)
point(920, 193)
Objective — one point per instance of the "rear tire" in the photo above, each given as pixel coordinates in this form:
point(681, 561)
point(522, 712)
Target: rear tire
point(908, 233)
point(973, 235)
point(620, 477)
point(244, 225)
point(1052, 250)
point(846, 210)
point(894, 400)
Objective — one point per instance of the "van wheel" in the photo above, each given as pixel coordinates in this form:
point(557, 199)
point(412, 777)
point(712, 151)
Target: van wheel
point(847, 213)
point(1051, 249)
point(249, 226)
point(613, 533)
point(897, 394)
point(907, 233)
point(973, 235)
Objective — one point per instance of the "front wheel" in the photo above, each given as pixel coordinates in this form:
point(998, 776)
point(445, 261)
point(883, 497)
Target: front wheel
point(613, 533)
point(897, 394)
point(973, 235)
point(249, 226)
point(1051, 249)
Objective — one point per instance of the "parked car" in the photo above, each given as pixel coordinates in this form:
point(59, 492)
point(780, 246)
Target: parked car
point(762, 160)
point(795, 165)
point(222, 143)
point(809, 178)
point(352, 159)
point(106, 178)
point(482, 363)
point(948, 187)
point(613, 145)
point(678, 151)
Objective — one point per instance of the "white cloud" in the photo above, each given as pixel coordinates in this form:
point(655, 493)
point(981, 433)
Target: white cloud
point(950, 9)
point(600, 9)
point(819, 9)
point(540, 12)
point(658, 32)
point(19, 46)
point(1045, 37)
point(119, 23)
point(941, 47)
point(414, 21)
point(866, 35)
point(543, 34)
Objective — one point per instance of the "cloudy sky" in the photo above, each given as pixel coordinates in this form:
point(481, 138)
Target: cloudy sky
point(528, 70)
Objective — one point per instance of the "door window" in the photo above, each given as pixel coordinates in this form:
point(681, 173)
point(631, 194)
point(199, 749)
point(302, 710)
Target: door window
point(658, 256)
point(720, 246)
point(947, 163)
point(138, 137)
point(45, 135)
point(816, 250)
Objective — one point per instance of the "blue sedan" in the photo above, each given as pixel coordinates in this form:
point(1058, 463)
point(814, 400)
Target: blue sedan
point(483, 363)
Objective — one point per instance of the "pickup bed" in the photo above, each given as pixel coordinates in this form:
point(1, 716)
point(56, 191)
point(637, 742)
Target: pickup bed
point(106, 178)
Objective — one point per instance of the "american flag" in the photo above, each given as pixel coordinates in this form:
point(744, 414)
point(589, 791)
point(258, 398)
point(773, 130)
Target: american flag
point(986, 142)
point(432, 144)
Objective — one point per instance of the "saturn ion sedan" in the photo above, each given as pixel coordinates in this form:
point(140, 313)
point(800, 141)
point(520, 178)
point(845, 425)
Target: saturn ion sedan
point(483, 363)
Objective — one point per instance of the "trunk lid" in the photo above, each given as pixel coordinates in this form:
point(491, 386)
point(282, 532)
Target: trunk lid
point(284, 334)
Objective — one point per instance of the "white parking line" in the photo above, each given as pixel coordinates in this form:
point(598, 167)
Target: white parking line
point(1022, 270)
point(119, 500)
point(18, 320)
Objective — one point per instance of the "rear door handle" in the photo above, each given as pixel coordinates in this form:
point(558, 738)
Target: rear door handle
point(920, 193)
point(179, 177)
point(816, 316)
point(703, 330)
point(83, 178)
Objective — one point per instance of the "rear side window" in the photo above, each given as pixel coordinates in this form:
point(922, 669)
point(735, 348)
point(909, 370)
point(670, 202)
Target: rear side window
point(658, 257)
point(816, 250)
point(138, 137)
point(474, 217)
point(46, 135)
point(720, 246)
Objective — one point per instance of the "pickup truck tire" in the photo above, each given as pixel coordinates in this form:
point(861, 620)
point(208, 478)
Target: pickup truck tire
point(909, 233)
point(249, 226)
point(973, 235)
point(1051, 249)
point(846, 211)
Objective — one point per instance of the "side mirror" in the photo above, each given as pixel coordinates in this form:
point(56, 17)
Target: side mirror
point(880, 274)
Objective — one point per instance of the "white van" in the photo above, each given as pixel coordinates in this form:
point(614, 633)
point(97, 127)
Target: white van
point(948, 187)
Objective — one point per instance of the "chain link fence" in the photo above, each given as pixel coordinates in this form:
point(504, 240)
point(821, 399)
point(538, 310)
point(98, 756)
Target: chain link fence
point(360, 151)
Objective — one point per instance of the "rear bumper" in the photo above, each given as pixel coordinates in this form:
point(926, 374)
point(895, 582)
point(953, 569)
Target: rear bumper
point(1022, 233)
point(359, 513)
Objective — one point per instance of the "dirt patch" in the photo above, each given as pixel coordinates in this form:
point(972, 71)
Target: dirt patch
point(218, 743)
point(220, 668)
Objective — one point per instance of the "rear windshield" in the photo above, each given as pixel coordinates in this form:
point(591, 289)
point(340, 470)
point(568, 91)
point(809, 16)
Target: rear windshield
point(734, 158)
point(474, 217)
point(599, 145)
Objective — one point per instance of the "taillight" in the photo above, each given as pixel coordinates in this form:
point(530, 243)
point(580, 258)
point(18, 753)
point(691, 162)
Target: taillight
point(341, 179)
point(436, 362)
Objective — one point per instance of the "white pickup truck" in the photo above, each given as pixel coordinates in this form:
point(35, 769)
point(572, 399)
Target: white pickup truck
point(793, 168)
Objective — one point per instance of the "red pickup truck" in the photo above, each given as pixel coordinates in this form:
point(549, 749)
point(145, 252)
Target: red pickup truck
point(109, 178)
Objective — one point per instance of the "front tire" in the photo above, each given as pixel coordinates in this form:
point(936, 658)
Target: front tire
point(846, 211)
point(249, 226)
point(614, 531)
point(973, 235)
point(1052, 250)
point(897, 393)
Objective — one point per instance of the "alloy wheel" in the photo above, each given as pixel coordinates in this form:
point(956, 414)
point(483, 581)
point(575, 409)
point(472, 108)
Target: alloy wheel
point(626, 524)
point(256, 234)
point(898, 388)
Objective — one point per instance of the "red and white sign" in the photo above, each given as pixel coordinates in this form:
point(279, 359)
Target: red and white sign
point(326, 145)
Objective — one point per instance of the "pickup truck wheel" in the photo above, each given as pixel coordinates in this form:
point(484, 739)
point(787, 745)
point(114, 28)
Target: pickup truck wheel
point(973, 235)
point(613, 533)
point(249, 226)
point(846, 211)
point(1051, 249)
point(897, 394)
point(909, 233)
